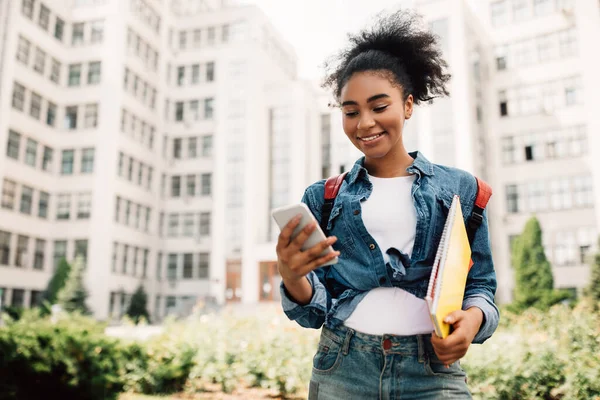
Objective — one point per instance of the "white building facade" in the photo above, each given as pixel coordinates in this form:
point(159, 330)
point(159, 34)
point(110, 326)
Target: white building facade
point(138, 134)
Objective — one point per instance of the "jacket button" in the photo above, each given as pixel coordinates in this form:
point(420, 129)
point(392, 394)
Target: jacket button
point(356, 212)
point(382, 280)
point(372, 246)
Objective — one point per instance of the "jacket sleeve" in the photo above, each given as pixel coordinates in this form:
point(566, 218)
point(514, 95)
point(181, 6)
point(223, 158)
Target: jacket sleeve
point(481, 282)
point(313, 314)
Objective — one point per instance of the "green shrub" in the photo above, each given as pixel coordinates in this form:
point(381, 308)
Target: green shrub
point(68, 359)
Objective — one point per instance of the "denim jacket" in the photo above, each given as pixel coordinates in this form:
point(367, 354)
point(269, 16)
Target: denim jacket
point(338, 289)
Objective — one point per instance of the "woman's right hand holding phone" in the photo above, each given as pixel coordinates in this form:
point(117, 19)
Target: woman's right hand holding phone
point(294, 264)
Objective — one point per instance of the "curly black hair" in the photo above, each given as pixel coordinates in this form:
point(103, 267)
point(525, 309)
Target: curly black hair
point(397, 48)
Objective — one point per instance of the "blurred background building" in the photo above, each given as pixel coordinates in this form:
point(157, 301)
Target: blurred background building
point(154, 137)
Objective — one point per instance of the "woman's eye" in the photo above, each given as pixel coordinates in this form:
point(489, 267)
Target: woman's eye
point(380, 109)
point(351, 114)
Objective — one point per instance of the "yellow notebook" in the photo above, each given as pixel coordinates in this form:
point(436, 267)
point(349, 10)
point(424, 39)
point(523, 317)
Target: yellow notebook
point(450, 269)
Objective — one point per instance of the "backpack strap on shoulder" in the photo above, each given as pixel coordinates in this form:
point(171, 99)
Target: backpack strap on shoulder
point(484, 192)
point(332, 187)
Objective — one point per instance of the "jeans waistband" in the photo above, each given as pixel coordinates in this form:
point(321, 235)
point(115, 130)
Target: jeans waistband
point(417, 345)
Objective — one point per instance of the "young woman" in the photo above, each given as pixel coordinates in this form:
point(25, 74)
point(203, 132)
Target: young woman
point(386, 223)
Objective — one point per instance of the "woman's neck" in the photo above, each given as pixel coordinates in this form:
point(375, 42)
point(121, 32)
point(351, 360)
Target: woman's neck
point(390, 166)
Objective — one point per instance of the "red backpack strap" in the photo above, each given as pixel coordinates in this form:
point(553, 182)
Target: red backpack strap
point(484, 192)
point(332, 187)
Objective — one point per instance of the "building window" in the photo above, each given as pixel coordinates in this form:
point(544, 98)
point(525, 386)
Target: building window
point(159, 266)
point(55, 71)
point(47, 159)
point(188, 265)
point(26, 199)
point(31, 152)
point(91, 115)
point(210, 35)
point(182, 39)
point(191, 185)
point(127, 211)
point(135, 261)
point(208, 108)
point(8, 194)
point(44, 19)
point(195, 74)
point(560, 195)
point(172, 267)
point(13, 145)
point(161, 223)
point(125, 255)
point(204, 224)
point(572, 91)
point(23, 50)
point(74, 74)
point(195, 109)
point(130, 169)
point(97, 35)
point(180, 76)
point(177, 145)
point(210, 71)
point(225, 33)
point(499, 13)
point(59, 28)
point(188, 225)
point(51, 114)
point(175, 186)
point(60, 252)
point(503, 103)
point(5, 247)
point(81, 249)
point(63, 206)
point(145, 264)
point(27, 8)
point(39, 63)
point(520, 10)
point(68, 157)
point(501, 52)
point(43, 205)
point(192, 147)
point(536, 196)
point(117, 209)
point(583, 191)
point(18, 98)
point(77, 38)
point(512, 199)
point(173, 225)
point(18, 298)
point(40, 250)
point(35, 108)
point(206, 187)
point(197, 37)
point(147, 223)
point(203, 265)
point(22, 246)
point(207, 146)
point(115, 255)
point(94, 72)
point(87, 161)
point(179, 111)
point(71, 117)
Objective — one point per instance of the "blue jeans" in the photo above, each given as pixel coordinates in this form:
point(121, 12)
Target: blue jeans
point(353, 365)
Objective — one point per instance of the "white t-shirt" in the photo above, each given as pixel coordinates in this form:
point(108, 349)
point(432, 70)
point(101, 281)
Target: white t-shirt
point(390, 217)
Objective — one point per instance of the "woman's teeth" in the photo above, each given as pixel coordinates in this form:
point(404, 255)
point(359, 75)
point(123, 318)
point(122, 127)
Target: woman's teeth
point(370, 138)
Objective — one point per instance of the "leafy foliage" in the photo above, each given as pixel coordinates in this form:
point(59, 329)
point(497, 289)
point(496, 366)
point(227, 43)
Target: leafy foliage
point(72, 296)
point(137, 309)
point(593, 290)
point(533, 274)
point(57, 282)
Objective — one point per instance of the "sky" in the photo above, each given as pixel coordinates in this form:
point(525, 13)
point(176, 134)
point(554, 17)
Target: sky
point(318, 29)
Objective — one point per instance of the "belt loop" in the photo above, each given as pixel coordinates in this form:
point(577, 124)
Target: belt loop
point(346, 345)
point(421, 345)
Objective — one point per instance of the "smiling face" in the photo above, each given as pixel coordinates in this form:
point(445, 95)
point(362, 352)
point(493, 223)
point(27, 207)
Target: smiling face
point(374, 112)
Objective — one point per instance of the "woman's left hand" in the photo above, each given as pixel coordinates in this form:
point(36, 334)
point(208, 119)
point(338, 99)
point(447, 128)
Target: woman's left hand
point(465, 325)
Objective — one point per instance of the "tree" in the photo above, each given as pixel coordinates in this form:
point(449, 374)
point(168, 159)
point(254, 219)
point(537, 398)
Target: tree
point(57, 282)
point(534, 283)
point(137, 306)
point(593, 290)
point(73, 295)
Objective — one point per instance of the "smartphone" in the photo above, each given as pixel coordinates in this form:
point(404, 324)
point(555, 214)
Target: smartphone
point(283, 215)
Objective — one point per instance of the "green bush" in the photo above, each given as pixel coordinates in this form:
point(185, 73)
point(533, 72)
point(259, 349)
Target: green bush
point(69, 359)
point(539, 355)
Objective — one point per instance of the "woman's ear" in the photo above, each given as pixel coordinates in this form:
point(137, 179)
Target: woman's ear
point(408, 106)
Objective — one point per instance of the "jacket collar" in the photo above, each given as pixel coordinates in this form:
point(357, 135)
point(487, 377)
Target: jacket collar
point(420, 164)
